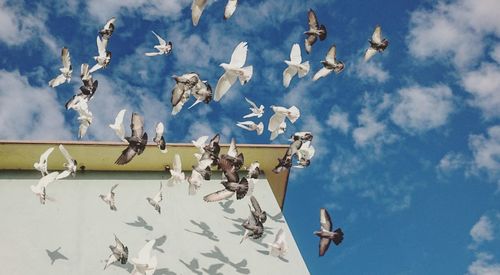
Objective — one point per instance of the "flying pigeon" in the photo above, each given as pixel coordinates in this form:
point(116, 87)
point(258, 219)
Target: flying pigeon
point(258, 112)
point(377, 44)
point(41, 165)
point(71, 163)
point(279, 247)
point(85, 117)
point(176, 172)
point(211, 150)
point(110, 198)
point(104, 56)
point(253, 227)
point(119, 253)
point(254, 170)
point(108, 29)
point(136, 142)
point(315, 31)
point(258, 213)
point(230, 188)
point(278, 131)
point(202, 92)
point(145, 263)
point(230, 8)
point(196, 10)
point(118, 125)
point(295, 66)
point(234, 70)
point(195, 180)
point(203, 168)
point(235, 159)
point(163, 48)
point(325, 234)
point(304, 155)
point(159, 139)
point(155, 201)
point(40, 188)
point(286, 162)
point(182, 90)
point(89, 85)
point(330, 64)
point(303, 136)
point(200, 143)
point(251, 126)
point(66, 70)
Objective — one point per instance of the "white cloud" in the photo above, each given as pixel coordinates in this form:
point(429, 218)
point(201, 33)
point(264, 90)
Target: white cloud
point(483, 265)
point(450, 162)
point(371, 130)
point(28, 112)
point(482, 230)
point(495, 53)
point(484, 85)
point(152, 9)
point(420, 109)
point(435, 32)
point(339, 120)
point(367, 71)
point(19, 26)
point(486, 151)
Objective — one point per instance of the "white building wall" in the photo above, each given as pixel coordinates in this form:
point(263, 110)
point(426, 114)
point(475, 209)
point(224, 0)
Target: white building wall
point(200, 237)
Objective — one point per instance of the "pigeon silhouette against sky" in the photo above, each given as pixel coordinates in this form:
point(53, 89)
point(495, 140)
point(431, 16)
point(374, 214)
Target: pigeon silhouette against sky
point(66, 70)
point(234, 70)
point(315, 31)
point(330, 64)
point(326, 234)
point(295, 66)
point(377, 44)
point(163, 48)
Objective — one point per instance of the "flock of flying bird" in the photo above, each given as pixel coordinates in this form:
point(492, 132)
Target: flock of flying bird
point(209, 155)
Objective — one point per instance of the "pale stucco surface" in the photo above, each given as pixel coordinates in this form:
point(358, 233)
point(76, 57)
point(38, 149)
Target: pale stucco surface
point(83, 226)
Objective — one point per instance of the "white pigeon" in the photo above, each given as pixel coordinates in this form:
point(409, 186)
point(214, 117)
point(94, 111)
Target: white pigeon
point(280, 113)
point(253, 170)
point(145, 263)
point(195, 181)
point(108, 29)
point(256, 112)
point(295, 66)
point(118, 125)
point(279, 247)
point(200, 143)
point(330, 64)
point(155, 201)
point(85, 117)
point(251, 126)
point(234, 70)
point(41, 165)
point(278, 131)
point(104, 56)
point(176, 172)
point(66, 70)
point(163, 47)
point(304, 155)
point(39, 189)
point(109, 198)
point(159, 139)
point(71, 163)
point(230, 8)
point(196, 10)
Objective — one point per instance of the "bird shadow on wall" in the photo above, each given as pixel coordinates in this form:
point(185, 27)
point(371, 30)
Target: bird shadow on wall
point(55, 255)
point(206, 231)
point(159, 242)
point(194, 266)
point(216, 253)
point(226, 206)
point(140, 222)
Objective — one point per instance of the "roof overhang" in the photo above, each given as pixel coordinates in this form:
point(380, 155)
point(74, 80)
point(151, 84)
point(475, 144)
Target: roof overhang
point(100, 156)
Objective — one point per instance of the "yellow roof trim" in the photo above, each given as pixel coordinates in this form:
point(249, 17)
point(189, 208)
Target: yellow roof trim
point(100, 156)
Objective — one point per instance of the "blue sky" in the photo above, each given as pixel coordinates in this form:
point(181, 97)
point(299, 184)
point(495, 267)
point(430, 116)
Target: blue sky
point(408, 144)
